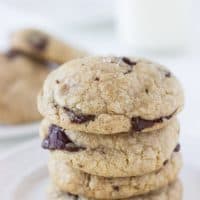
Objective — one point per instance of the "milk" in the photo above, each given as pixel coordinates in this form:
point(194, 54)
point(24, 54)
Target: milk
point(152, 24)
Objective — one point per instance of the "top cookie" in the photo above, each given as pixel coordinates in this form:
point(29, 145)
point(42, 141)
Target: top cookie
point(107, 95)
point(43, 46)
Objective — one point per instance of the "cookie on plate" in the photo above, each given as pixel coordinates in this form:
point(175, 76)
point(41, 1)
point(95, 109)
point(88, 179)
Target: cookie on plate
point(77, 182)
point(171, 192)
point(20, 81)
point(43, 46)
point(110, 155)
point(107, 95)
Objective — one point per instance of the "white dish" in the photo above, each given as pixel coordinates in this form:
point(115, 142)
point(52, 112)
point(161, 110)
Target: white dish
point(24, 175)
point(13, 131)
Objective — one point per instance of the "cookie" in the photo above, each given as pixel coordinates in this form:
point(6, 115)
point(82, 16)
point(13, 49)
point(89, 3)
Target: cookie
point(118, 155)
point(107, 95)
point(20, 81)
point(43, 46)
point(77, 182)
point(171, 192)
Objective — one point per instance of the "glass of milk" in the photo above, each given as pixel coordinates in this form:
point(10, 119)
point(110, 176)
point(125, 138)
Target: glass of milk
point(152, 24)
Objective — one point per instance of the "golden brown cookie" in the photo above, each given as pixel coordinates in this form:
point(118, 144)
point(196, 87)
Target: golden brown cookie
point(171, 192)
point(118, 155)
point(20, 81)
point(76, 182)
point(44, 46)
point(107, 95)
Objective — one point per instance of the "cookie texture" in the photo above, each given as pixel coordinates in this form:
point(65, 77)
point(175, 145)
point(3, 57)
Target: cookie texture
point(118, 155)
point(76, 182)
point(171, 192)
point(44, 46)
point(106, 95)
point(20, 81)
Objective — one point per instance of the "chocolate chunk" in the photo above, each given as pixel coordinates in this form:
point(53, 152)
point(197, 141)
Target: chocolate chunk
point(75, 197)
point(128, 61)
point(115, 187)
point(177, 148)
point(78, 118)
point(58, 140)
point(139, 124)
point(38, 41)
point(96, 79)
point(168, 74)
point(165, 162)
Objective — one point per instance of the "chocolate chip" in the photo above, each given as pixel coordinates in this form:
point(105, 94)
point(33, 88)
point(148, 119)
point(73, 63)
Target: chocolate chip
point(96, 79)
point(128, 61)
point(102, 151)
point(115, 187)
point(177, 148)
point(57, 81)
point(58, 140)
point(165, 162)
point(139, 123)
point(168, 74)
point(75, 197)
point(147, 91)
point(38, 41)
point(78, 118)
point(128, 71)
point(12, 53)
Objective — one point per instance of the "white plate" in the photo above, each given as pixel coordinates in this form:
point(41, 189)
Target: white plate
point(24, 175)
point(13, 131)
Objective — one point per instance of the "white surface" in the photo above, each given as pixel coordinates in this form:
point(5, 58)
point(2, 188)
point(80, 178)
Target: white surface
point(10, 132)
point(24, 175)
point(14, 167)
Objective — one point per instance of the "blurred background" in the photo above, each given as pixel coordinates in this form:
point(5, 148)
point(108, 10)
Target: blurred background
point(164, 31)
point(104, 26)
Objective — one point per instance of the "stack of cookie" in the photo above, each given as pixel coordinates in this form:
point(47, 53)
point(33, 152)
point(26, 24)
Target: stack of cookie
point(110, 125)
